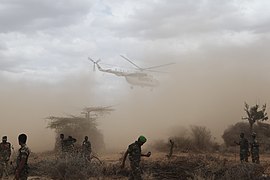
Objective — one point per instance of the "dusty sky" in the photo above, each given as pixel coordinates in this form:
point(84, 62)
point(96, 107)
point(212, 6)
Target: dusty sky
point(221, 51)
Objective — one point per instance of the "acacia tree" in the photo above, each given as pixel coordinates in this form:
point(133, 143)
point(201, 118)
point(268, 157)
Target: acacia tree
point(255, 114)
point(79, 126)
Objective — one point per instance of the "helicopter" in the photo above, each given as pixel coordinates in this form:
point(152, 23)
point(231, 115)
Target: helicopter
point(137, 78)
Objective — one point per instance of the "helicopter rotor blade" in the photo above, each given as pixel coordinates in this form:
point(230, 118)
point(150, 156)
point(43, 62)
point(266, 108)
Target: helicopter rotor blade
point(153, 67)
point(131, 62)
point(91, 59)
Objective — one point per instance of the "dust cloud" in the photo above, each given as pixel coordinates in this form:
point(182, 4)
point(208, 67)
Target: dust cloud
point(205, 88)
point(25, 105)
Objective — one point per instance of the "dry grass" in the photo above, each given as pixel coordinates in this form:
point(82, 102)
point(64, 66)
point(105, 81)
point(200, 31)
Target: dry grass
point(203, 167)
point(181, 166)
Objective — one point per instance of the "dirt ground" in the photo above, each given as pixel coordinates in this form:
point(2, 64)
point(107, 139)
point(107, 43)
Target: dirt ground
point(45, 166)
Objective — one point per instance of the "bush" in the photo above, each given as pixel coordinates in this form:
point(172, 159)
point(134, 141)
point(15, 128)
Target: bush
point(201, 137)
point(232, 133)
point(197, 138)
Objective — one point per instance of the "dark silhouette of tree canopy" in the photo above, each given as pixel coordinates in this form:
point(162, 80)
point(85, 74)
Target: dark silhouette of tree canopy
point(78, 126)
point(262, 130)
point(255, 114)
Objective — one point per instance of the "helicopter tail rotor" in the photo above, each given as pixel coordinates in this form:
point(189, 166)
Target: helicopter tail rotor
point(94, 62)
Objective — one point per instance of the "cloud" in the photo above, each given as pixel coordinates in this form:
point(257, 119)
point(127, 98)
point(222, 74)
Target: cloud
point(177, 19)
point(31, 15)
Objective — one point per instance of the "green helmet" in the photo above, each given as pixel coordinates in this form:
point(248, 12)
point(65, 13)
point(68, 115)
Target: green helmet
point(142, 139)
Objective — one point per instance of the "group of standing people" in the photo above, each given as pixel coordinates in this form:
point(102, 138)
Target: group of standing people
point(244, 148)
point(21, 169)
point(68, 147)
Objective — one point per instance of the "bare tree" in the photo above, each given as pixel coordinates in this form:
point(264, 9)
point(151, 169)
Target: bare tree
point(254, 114)
point(201, 137)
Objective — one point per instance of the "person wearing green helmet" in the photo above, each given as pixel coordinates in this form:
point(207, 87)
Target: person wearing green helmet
point(134, 154)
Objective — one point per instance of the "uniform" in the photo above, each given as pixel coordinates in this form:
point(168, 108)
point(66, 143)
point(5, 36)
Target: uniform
point(67, 147)
point(134, 152)
point(5, 152)
point(69, 144)
point(254, 147)
point(63, 151)
point(244, 153)
point(86, 149)
point(171, 149)
point(24, 152)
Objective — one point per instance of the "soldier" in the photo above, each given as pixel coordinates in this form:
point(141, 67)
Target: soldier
point(21, 172)
point(69, 144)
point(86, 148)
point(5, 152)
point(171, 149)
point(62, 136)
point(62, 146)
point(134, 152)
point(254, 147)
point(243, 143)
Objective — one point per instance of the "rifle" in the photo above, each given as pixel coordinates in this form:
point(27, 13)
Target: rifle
point(11, 162)
point(93, 156)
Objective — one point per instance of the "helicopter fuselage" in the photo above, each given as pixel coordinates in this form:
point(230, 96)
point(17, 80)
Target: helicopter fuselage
point(134, 78)
point(142, 79)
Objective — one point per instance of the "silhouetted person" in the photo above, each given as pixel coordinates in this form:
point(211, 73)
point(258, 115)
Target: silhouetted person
point(134, 153)
point(69, 144)
point(62, 146)
point(254, 148)
point(5, 152)
point(86, 148)
point(21, 172)
point(244, 148)
point(171, 149)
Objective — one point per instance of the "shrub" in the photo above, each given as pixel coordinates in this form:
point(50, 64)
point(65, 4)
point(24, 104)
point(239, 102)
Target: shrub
point(197, 138)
